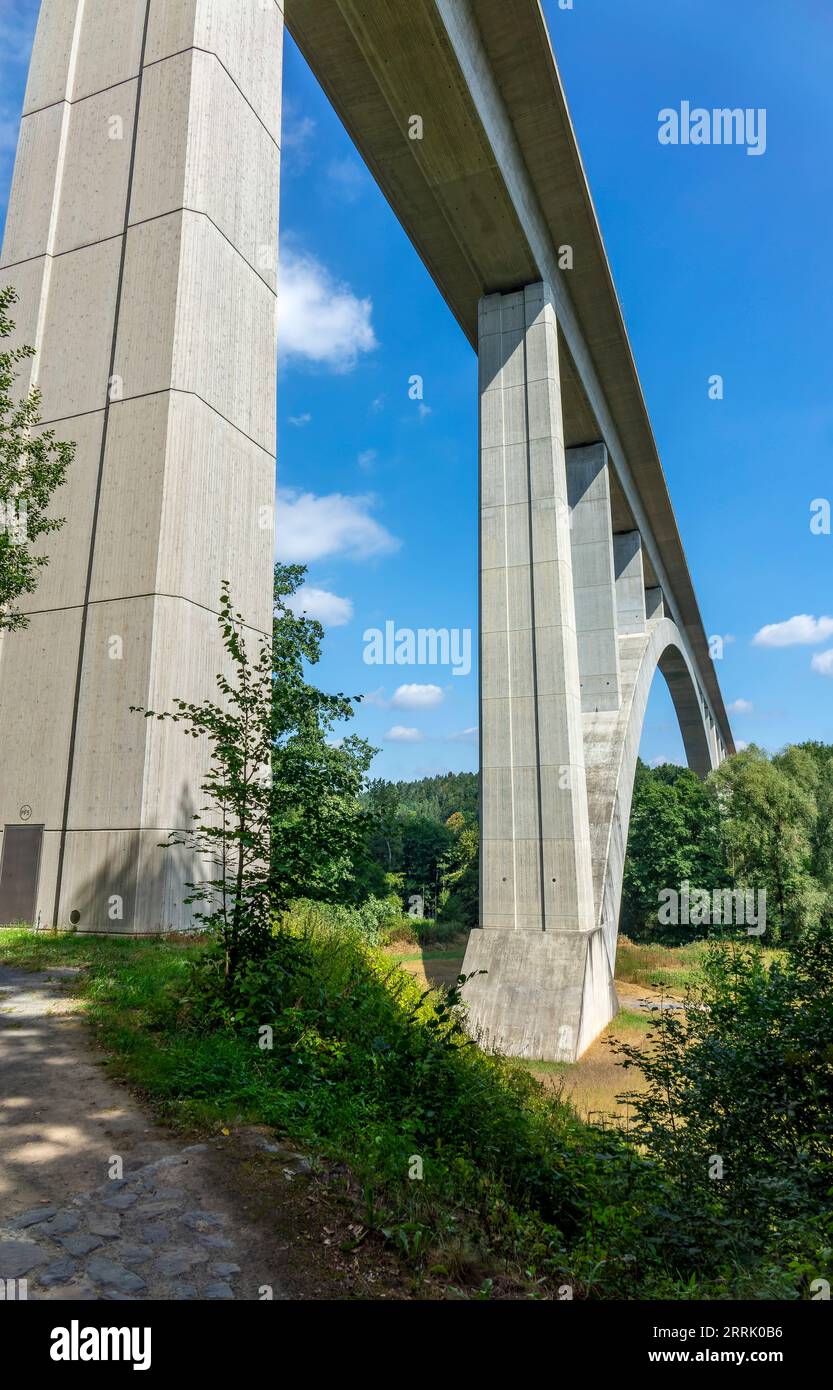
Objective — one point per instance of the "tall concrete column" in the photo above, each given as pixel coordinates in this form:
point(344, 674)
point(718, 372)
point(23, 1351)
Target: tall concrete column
point(654, 606)
point(630, 582)
point(594, 582)
point(142, 240)
point(537, 913)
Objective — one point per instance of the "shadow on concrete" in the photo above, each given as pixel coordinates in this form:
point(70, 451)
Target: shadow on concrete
point(144, 881)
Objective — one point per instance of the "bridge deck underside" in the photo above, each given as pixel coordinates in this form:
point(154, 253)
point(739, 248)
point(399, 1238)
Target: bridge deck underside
point(487, 196)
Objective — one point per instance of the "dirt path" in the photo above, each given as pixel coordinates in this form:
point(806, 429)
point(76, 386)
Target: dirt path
point(238, 1216)
point(96, 1201)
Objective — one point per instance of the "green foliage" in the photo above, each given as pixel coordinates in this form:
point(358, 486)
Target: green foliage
point(759, 823)
point(425, 833)
point(230, 835)
point(441, 796)
point(675, 834)
point(460, 891)
point(368, 1070)
point(374, 921)
point(33, 464)
point(769, 824)
point(740, 1095)
point(283, 818)
point(318, 823)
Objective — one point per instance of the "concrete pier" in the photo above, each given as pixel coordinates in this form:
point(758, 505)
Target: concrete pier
point(142, 240)
point(537, 913)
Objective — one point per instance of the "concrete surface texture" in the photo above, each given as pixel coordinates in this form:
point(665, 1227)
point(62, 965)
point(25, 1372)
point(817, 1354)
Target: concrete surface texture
point(567, 659)
point(142, 241)
point(142, 237)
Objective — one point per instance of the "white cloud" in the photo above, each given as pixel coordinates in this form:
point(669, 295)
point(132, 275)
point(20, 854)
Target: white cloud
point(299, 421)
point(464, 736)
point(740, 744)
point(823, 663)
point(348, 179)
point(800, 631)
point(328, 608)
point(320, 320)
point(399, 734)
point(406, 697)
point(740, 707)
point(297, 139)
point(297, 131)
point(311, 527)
point(417, 697)
point(366, 459)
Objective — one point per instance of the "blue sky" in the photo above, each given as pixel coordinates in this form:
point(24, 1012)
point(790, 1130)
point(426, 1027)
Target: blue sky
point(723, 266)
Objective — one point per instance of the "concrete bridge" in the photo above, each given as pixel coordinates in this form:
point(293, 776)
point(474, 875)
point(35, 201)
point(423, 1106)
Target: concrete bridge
point(142, 238)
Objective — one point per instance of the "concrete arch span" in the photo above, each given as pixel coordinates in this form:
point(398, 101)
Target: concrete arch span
point(550, 992)
point(611, 750)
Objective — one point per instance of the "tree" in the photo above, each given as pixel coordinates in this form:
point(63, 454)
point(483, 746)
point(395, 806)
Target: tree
point(440, 796)
point(230, 835)
point(377, 866)
point(675, 835)
point(740, 1085)
point(459, 874)
point(283, 817)
point(811, 765)
point(414, 844)
point(33, 464)
point(424, 844)
point(769, 825)
point(318, 823)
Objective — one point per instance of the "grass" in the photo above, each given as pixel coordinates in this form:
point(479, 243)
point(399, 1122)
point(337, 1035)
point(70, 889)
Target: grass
point(425, 932)
point(668, 968)
point(369, 1073)
point(453, 952)
point(659, 967)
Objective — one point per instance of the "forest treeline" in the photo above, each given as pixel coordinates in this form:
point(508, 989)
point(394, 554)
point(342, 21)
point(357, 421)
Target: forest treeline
point(761, 824)
point(422, 844)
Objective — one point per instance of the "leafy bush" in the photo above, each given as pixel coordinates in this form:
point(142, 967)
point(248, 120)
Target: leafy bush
point(33, 466)
point(372, 921)
point(370, 1069)
point(426, 931)
point(739, 1105)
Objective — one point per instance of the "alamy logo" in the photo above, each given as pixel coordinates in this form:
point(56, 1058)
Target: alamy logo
point(697, 907)
point(427, 646)
point(77, 1343)
point(721, 126)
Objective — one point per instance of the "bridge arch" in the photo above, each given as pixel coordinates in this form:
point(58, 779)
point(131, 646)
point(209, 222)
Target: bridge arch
point(611, 751)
